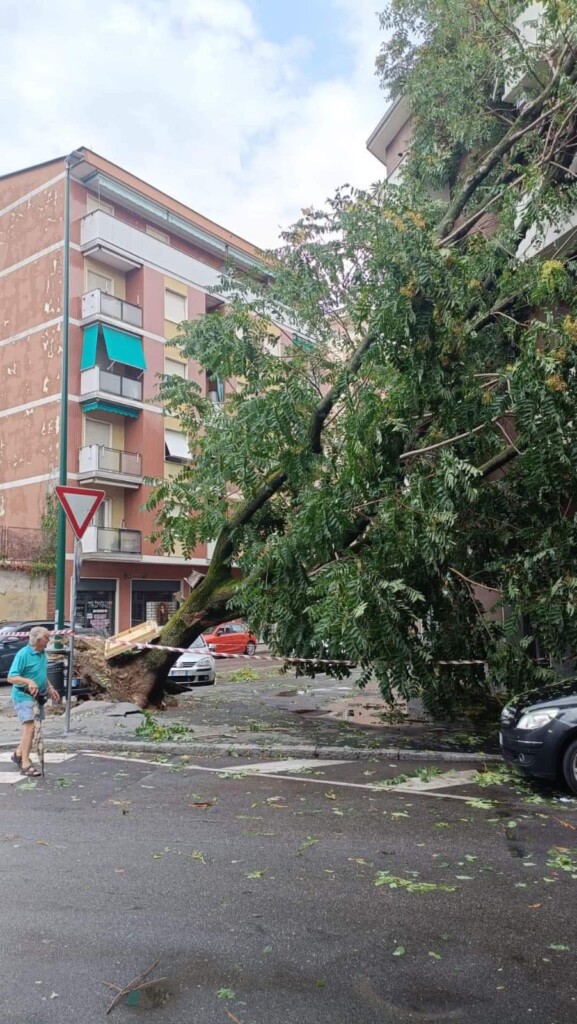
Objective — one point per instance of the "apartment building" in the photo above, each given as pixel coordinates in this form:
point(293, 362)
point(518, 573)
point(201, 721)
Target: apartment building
point(390, 141)
point(140, 263)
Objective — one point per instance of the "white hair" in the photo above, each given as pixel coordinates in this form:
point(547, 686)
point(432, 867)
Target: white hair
point(36, 632)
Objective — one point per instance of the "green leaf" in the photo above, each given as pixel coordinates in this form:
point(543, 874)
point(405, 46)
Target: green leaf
point(225, 993)
point(399, 951)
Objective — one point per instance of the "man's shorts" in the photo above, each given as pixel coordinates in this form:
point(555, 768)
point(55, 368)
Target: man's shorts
point(25, 709)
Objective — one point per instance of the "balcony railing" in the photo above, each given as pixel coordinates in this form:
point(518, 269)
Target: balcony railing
point(122, 246)
point(99, 303)
point(95, 460)
point(96, 379)
point(109, 541)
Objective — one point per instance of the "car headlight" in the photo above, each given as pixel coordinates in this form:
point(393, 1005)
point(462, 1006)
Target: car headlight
point(203, 663)
point(537, 719)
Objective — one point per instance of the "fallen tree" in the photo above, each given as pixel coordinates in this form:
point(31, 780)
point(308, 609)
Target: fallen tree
point(415, 443)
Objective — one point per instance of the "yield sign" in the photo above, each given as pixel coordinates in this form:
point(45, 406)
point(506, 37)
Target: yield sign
point(79, 504)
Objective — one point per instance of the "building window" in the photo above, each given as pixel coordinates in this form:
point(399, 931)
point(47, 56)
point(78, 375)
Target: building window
point(102, 514)
point(93, 203)
point(157, 233)
point(174, 307)
point(214, 389)
point(99, 282)
point(176, 367)
point(97, 432)
point(176, 447)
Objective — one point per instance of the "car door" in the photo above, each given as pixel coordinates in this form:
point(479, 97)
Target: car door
point(239, 638)
point(225, 642)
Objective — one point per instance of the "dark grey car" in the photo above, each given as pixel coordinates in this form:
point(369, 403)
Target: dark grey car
point(11, 644)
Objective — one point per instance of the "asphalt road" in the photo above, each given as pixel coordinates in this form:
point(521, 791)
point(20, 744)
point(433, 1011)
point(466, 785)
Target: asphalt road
point(258, 895)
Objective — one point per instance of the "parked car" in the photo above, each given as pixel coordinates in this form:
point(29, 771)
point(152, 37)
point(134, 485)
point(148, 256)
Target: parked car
point(10, 644)
point(231, 638)
point(539, 732)
point(195, 668)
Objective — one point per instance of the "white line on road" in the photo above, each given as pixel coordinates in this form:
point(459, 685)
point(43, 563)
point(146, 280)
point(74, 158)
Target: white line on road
point(245, 770)
point(6, 756)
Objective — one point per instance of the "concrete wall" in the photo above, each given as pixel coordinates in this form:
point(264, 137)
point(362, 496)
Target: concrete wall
point(22, 597)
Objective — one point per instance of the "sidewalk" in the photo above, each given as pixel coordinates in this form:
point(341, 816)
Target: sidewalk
point(266, 712)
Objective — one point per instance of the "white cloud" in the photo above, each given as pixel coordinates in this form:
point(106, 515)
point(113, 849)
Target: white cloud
point(191, 96)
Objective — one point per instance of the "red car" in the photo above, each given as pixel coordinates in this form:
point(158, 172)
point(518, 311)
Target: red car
point(231, 638)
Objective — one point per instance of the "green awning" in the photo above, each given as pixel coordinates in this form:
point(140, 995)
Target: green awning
point(306, 346)
point(120, 410)
point(124, 348)
point(120, 347)
point(89, 347)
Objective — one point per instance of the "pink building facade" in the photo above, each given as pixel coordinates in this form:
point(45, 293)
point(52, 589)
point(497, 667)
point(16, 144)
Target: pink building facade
point(140, 263)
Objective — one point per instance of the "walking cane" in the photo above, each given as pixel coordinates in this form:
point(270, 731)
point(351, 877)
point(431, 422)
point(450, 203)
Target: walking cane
point(38, 740)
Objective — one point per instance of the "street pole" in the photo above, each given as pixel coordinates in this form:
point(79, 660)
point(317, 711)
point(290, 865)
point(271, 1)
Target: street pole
point(70, 665)
point(69, 162)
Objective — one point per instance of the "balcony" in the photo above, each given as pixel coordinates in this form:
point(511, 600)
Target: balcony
point(98, 464)
point(107, 541)
point(97, 383)
point(528, 28)
point(119, 245)
point(98, 304)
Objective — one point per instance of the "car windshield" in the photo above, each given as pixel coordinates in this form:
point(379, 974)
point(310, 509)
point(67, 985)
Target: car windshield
point(198, 644)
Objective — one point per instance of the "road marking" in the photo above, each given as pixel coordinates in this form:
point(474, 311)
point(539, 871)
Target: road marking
point(290, 765)
point(240, 770)
point(49, 758)
point(443, 781)
point(9, 778)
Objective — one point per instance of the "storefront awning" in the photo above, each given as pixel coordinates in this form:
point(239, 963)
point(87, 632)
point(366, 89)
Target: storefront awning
point(124, 348)
point(119, 410)
point(176, 444)
point(120, 347)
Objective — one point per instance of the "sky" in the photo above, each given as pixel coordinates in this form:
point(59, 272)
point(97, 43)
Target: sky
point(245, 110)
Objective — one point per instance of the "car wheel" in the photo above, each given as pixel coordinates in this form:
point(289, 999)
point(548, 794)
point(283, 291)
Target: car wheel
point(250, 648)
point(570, 766)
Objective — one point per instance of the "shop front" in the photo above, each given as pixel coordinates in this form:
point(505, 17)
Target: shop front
point(96, 605)
point(154, 599)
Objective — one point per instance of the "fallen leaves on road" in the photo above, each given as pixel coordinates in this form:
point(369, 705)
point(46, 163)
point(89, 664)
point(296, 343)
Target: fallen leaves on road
point(309, 841)
point(410, 884)
point(225, 993)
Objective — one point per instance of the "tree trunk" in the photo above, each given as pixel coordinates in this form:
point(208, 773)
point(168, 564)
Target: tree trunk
point(140, 676)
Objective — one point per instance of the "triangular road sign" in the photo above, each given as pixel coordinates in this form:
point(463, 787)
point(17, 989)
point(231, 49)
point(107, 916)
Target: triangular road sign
point(79, 504)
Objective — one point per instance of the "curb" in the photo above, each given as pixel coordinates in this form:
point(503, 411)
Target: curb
point(86, 745)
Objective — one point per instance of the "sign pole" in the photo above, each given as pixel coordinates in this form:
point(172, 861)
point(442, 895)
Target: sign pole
point(79, 505)
point(73, 598)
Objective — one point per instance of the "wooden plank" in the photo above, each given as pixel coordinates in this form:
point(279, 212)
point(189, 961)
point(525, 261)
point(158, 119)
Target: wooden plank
point(125, 641)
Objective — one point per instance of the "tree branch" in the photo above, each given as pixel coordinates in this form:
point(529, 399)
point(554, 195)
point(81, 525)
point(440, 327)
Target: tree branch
point(498, 461)
point(323, 408)
point(442, 444)
point(529, 118)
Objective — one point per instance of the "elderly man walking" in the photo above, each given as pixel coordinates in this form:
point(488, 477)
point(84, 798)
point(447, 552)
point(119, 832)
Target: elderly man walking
point(29, 677)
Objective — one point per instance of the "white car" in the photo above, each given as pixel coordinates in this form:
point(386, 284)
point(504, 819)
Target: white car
point(194, 668)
